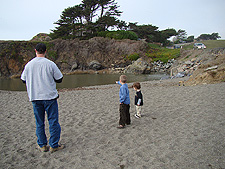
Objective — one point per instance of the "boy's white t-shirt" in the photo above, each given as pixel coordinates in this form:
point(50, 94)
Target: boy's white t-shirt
point(39, 75)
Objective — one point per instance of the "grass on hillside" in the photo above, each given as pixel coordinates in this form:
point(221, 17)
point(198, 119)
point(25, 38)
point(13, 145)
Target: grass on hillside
point(157, 52)
point(210, 44)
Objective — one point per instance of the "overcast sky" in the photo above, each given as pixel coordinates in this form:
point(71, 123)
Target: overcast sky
point(23, 19)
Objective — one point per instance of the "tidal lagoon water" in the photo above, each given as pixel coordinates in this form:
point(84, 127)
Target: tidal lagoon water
point(81, 80)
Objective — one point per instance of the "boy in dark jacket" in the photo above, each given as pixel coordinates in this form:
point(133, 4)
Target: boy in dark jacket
point(138, 100)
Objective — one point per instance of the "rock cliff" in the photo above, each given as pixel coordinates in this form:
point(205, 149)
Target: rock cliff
point(70, 55)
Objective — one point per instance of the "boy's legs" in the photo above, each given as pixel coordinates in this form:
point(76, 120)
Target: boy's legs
point(124, 114)
point(128, 114)
point(122, 110)
point(39, 113)
point(51, 107)
point(138, 109)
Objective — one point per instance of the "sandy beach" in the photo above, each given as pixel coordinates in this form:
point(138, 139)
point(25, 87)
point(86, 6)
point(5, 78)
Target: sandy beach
point(182, 127)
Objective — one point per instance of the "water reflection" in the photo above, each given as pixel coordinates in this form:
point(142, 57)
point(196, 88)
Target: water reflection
point(81, 80)
point(12, 84)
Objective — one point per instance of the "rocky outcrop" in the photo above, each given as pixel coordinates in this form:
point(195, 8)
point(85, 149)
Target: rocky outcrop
point(202, 67)
point(140, 66)
point(74, 67)
point(96, 53)
point(13, 56)
point(41, 37)
point(185, 69)
point(160, 66)
point(210, 70)
point(70, 55)
point(95, 65)
point(207, 66)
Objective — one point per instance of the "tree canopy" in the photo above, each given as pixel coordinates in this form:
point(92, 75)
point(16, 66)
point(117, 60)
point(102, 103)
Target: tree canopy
point(213, 36)
point(98, 17)
point(86, 19)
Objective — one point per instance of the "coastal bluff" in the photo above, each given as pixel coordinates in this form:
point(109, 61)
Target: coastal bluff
point(71, 55)
point(104, 55)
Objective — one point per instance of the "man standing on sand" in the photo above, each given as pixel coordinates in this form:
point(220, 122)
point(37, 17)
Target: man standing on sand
point(41, 75)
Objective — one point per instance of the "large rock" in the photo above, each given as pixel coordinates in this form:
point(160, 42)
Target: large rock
point(74, 66)
point(95, 65)
point(159, 66)
point(139, 66)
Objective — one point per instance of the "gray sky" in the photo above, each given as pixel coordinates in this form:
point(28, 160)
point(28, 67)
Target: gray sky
point(23, 19)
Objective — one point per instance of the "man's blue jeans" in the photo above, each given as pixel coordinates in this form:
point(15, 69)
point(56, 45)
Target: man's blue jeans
point(51, 107)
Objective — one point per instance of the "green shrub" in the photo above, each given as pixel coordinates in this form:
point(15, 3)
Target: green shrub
point(102, 33)
point(133, 57)
point(163, 54)
point(119, 35)
point(153, 45)
point(187, 56)
point(113, 34)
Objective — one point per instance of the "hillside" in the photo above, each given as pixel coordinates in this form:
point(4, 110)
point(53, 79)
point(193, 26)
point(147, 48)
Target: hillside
point(210, 44)
point(115, 56)
point(70, 55)
point(208, 65)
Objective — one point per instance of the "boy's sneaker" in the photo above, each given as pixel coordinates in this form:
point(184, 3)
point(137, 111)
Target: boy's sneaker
point(52, 150)
point(43, 149)
point(120, 127)
point(136, 116)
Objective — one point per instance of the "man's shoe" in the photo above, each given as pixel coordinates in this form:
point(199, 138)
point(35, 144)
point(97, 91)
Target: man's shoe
point(43, 149)
point(52, 150)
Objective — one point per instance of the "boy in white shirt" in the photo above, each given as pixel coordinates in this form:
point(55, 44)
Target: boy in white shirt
point(138, 100)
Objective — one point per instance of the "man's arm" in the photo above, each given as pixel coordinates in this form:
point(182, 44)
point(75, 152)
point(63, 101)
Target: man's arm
point(59, 80)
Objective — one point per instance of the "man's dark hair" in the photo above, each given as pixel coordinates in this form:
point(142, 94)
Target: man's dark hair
point(41, 48)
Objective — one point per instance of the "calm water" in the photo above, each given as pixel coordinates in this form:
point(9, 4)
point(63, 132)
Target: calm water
point(81, 80)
